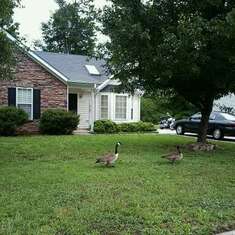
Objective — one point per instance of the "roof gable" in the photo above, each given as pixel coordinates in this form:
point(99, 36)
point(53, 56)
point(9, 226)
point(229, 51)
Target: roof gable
point(74, 67)
point(34, 57)
point(66, 67)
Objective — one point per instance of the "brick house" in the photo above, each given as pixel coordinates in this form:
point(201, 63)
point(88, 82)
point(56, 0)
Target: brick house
point(77, 83)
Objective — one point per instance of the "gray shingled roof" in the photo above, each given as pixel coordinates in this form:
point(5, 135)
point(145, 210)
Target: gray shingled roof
point(73, 67)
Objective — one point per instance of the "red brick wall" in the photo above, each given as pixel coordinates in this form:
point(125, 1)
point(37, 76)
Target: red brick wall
point(29, 74)
point(29, 128)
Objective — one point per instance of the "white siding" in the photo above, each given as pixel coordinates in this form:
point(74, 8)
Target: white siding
point(97, 100)
point(88, 112)
point(136, 108)
point(132, 101)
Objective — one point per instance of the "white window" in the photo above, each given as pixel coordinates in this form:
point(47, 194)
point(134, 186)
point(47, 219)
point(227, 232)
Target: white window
point(24, 100)
point(121, 107)
point(104, 104)
point(92, 70)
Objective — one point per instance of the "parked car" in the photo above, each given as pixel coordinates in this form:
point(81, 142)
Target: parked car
point(220, 125)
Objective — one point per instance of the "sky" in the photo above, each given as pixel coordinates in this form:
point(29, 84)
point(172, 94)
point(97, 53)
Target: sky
point(34, 12)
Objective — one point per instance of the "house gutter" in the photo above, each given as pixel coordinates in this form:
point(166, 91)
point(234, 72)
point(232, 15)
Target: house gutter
point(104, 84)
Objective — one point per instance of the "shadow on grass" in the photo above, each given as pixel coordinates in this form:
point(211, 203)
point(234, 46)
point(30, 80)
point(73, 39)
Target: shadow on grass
point(225, 139)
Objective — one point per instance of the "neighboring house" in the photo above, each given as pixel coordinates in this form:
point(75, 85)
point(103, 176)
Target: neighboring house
point(77, 83)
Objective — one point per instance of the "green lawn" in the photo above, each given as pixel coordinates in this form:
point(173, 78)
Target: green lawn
point(50, 185)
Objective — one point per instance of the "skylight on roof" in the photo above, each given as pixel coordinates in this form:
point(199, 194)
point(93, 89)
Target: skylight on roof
point(92, 70)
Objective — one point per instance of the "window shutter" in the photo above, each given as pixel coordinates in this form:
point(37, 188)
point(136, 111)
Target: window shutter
point(36, 104)
point(11, 96)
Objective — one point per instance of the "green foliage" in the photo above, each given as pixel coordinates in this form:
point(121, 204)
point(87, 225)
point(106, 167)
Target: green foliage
point(10, 119)
point(184, 47)
point(105, 126)
point(127, 127)
point(153, 109)
point(58, 122)
point(108, 126)
point(136, 127)
point(71, 29)
point(7, 11)
point(7, 60)
point(50, 185)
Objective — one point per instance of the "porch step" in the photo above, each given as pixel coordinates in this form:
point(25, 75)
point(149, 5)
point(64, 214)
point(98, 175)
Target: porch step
point(81, 131)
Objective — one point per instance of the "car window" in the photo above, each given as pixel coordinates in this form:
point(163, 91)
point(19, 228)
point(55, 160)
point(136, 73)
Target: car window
point(228, 116)
point(213, 116)
point(196, 116)
point(219, 117)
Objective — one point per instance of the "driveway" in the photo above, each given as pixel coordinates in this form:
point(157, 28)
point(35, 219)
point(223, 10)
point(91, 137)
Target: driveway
point(172, 132)
point(166, 132)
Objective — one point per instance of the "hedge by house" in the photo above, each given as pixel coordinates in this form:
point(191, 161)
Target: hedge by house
point(10, 119)
point(136, 127)
point(58, 122)
point(107, 126)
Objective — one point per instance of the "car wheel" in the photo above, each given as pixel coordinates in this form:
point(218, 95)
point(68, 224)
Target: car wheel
point(179, 130)
point(217, 134)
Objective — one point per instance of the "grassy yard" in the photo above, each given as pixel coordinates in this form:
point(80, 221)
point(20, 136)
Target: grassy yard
point(50, 185)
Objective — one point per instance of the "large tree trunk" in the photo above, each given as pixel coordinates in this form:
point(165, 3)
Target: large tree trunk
point(206, 111)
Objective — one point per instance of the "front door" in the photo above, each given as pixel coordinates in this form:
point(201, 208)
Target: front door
point(73, 103)
point(84, 110)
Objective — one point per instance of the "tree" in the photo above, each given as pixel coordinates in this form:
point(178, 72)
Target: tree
point(6, 50)
point(154, 108)
point(183, 46)
point(71, 29)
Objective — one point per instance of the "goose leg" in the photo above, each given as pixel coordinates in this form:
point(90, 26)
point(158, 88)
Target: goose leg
point(108, 164)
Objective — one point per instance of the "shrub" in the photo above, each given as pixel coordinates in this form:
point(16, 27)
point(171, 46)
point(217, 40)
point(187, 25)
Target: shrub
point(124, 127)
point(105, 126)
point(58, 122)
point(129, 127)
point(147, 126)
point(10, 119)
point(136, 127)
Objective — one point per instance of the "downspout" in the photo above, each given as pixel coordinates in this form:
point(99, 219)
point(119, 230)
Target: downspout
point(67, 97)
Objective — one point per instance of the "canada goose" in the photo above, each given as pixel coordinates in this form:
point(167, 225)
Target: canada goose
point(175, 156)
point(110, 158)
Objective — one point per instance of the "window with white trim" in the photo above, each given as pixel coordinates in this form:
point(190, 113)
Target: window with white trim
point(24, 100)
point(104, 109)
point(121, 107)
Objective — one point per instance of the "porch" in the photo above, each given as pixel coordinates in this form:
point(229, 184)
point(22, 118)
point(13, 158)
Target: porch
point(81, 100)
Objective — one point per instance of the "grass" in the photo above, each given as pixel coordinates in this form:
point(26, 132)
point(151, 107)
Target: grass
point(50, 185)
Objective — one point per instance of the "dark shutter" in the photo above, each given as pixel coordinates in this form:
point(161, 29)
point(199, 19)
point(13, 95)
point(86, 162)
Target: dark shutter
point(36, 104)
point(11, 96)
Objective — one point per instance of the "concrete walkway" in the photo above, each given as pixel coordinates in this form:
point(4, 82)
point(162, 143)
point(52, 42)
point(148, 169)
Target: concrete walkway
point(172, 132)
point(228, 233)
point(166, 132)
point(81, 132)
